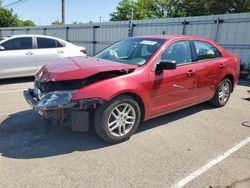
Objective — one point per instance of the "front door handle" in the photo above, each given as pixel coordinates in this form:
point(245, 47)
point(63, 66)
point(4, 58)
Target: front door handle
point(190, 73)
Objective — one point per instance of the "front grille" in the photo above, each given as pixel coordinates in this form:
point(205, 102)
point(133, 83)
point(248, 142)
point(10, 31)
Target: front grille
point(46, 87)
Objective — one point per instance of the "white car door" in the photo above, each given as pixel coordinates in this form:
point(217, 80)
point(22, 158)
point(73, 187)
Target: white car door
point(48, 50)
point(17, 58)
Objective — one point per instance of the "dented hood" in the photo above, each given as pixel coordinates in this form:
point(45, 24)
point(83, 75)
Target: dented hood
point(73, 68)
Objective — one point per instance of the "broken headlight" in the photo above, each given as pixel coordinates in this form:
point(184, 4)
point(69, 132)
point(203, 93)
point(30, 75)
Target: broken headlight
point(55, 100)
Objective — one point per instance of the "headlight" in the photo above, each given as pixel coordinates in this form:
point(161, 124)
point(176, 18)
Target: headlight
point(54, 100)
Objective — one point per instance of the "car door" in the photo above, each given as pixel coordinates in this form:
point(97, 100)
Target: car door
point(17, 58)
point(48, 50)
point(173, 89)
point(209, 68)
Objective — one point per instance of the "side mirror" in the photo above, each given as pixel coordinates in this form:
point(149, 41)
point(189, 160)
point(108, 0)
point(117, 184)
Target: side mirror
point(2, 48)
point(166, 65)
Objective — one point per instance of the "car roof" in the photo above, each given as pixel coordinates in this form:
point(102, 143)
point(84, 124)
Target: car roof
point(32, 35)
point(168, 37)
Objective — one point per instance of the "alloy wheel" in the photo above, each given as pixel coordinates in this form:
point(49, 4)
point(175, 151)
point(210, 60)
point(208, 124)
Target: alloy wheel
point(224, 92)
point(121, 119)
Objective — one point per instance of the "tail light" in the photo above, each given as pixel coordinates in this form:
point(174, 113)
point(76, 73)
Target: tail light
point(83, 51)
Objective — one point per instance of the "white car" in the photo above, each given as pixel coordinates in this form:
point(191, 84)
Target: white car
point(23, 55)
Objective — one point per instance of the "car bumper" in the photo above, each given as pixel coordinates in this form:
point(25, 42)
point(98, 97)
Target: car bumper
point(30, 98)
point(74, 114)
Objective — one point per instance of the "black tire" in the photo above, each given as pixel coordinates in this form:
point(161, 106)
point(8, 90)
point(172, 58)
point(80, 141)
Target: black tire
point(102, 118)
point(217, 100)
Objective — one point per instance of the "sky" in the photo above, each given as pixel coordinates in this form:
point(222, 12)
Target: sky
point(44, 12)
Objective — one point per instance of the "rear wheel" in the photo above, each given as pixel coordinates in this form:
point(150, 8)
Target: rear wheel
point(222, 93)
point(116, 121)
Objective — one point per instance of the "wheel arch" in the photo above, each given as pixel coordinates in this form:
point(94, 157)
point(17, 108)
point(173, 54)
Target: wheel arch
point(231, 78)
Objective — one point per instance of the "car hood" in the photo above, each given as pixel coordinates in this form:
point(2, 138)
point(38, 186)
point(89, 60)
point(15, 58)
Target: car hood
point(73, 68)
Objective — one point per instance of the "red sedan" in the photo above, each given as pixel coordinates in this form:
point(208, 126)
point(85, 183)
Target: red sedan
point(134, 80)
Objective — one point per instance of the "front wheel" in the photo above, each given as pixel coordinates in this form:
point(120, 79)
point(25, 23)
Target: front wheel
point(116, 121)
point(222, 93)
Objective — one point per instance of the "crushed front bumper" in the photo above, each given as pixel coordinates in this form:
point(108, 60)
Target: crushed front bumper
point(30, 97)
point(73, 114)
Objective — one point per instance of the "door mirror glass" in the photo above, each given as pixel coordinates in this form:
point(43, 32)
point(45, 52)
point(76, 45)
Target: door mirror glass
point(166, 65)
point(2, 48)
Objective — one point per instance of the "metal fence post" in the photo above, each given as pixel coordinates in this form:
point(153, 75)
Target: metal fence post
point(184, 23)
point(94, 38)
point(131, 28)
point(44, 31)
point(27, 30)
point(67, 34)
point(217, 22)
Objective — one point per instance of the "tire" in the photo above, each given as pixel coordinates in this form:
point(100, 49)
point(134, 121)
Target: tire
point(222, 93)
point(115, 127)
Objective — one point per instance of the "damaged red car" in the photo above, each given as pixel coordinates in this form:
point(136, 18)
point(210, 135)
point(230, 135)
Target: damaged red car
point(133, 80)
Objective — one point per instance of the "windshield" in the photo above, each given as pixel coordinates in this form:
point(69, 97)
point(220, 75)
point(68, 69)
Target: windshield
point(134, 51)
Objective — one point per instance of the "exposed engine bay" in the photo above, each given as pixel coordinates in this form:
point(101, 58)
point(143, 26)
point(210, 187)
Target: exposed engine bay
point(52, 100)
point(50, 86)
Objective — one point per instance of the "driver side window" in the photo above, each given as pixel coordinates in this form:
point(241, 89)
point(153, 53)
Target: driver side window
point(179, 51)
point(22, 43)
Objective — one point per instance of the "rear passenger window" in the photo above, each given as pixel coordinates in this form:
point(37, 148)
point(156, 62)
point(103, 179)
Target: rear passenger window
point(206, 51)
point(46, 43)
point(59, 44)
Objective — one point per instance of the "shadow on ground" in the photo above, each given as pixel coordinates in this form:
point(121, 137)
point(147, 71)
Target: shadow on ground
point(244, 83)
point(26, 135)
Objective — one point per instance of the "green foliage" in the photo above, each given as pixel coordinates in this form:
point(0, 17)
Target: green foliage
point(8, 19)
point(24, 23)
point(124, 11)
point(57, 22)
point(150, 9)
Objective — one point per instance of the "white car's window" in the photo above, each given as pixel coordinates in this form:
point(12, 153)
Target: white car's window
point(59, 44)
point(179, 52)
point(206, 51)
point(18, 44)
point(46, 43)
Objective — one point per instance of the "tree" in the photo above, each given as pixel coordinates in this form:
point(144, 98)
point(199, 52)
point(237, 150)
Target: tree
point(57, 22)
point(124, 11)
point(8, 19)
point(238, 6)
point(148, 9)
point(25, 23)
point(163, 8)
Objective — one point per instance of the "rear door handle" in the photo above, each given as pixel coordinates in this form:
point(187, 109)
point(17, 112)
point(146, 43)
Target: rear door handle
point(190, 73)
point(29, 53)
point(60, 52)
point(221, 65)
